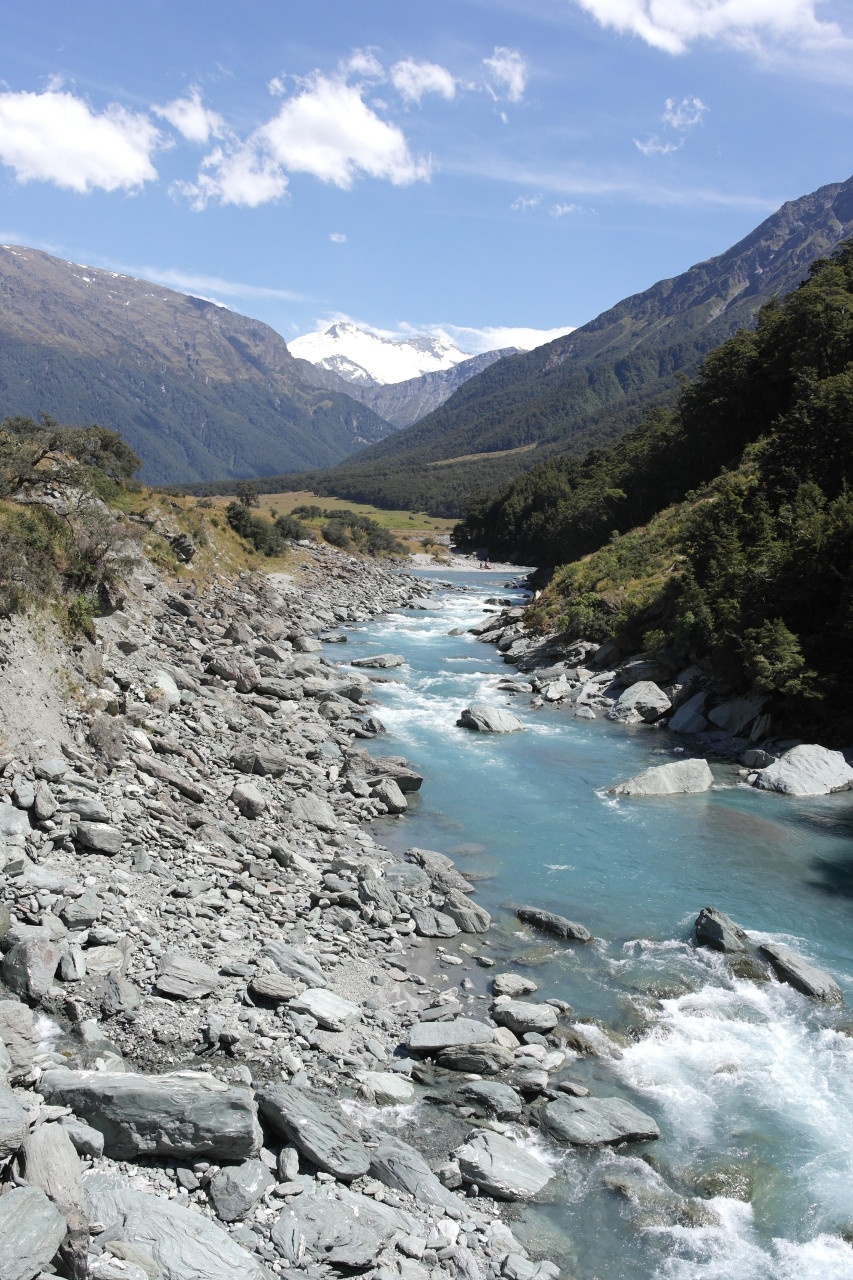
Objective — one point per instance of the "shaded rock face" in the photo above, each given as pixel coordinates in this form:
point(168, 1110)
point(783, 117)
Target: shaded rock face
point(807, 770)
point(715, 929)
point(679, 777)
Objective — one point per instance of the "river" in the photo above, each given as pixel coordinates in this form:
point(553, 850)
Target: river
point(751, 1083)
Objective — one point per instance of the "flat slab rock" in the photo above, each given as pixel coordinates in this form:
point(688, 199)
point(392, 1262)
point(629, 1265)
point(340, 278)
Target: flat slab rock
point(802, 974)
point(501, 1168)
point(521, 1016)
point(31, 1231)
point(597, 1122)
point(184, 1113)
point(296, 964)
point(397, 1165)
point(550, 922)
point(379, 661)
point(185, 978)
point(807, 770)
point(332, 1012)
point(486, 719)
point(346, 1232)
point(316, 1125)
point(679, 777)
point(429, 1037)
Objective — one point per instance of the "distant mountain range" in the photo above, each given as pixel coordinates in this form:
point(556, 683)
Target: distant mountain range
point(401, 379)
point(587, 388)
point(199, 391)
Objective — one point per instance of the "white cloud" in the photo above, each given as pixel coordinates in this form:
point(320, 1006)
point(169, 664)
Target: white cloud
point(414, 79)
point(498, 336)
point(204, 285)
point(364, 62)
point(55, 137)
point(523, 204)
point(328, 130)
point(191, 117)
point(562, 210)
point(337, 237)
point(673, 25)
point(240, 175)
point(508, 71)
point(685, 114)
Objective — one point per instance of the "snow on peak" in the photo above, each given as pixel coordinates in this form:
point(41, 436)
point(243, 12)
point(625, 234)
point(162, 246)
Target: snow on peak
point(367, 358)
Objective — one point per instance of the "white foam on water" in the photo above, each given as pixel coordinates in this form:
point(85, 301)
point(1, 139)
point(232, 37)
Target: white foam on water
point(48, 1033)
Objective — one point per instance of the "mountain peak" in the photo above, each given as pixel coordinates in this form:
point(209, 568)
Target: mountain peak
point(370, 359)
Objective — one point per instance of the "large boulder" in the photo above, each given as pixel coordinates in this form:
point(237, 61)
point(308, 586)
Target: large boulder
point(470, 917)
point(298, 965)
point(49, 1160)
point(185, 978)
point(597, 1122)
point(476, 1059)
point(345, 1233)
point(266, 759)
point(800, 973)
point(31, 1231)
point(689, 718)
point(430, 1037)
point(316, 1125)
point(184, 1113)
point(521, 1017)
point(679, 777)
point(486, 719)
point(501, 1168)
point(29, 968)
point(807, 770)
point(399, 1166)
point(332, 1012)
point(718, 931)
point(736, 714)
point(430, 923)
point(315, 811)
point(642, 703)
point(558, 925)
point(499, 1100)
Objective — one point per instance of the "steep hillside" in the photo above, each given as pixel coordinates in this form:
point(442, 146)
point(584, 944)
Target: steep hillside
point(587, 388)
point(198, 391)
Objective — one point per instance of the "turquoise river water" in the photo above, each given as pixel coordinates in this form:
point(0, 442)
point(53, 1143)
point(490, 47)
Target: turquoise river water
point(746, 1080)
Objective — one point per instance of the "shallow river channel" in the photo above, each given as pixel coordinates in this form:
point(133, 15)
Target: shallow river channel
point(750, 1083)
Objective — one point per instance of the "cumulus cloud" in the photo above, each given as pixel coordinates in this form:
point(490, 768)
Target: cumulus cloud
point(56, 137)
point(191, 118)
point(364, 63)
point(329, 131)
point(337, 237)
point(679, 118)
point(674, 25)
point(523, 204)
point(414, 79)
point(241, 175)
point(508, 71)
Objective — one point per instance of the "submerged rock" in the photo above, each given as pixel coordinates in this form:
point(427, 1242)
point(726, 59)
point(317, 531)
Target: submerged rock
point(679, 777)
point(553, 923)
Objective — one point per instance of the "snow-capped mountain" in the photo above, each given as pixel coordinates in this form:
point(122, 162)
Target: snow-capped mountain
point(368, 360)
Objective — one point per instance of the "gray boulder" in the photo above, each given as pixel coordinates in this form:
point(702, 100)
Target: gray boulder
point(29, 968)
point(550, 922)
point(501, 1168)
point(265, 759)
point(470, 917)
point(807, 770)
point(379, 661)
point(275, 987)
point(717, 930)
point(49, 1161)
point(185, 978)
point(236, 1190)
point(499, 1100)
point(345, 1234)
point(31, 1231)
point(596, 1122)
point(387, 1088)
point(315, 811)
point(13, 822)
point(296, 964)
point(249, 800)
point(13, 1122)
point(512, 984)
point(184, 1113)
point(801, 974)
point(82, 912)
point(521, 1017)
point(430, 923)
point(100, 837)
point(316, 1125)
point(679, 777)
point(388, 793)
point(642, 703)
point(689, 718)
point(476, 1059)
point(486, 719)
point(19, 1033)
point(736, 714)
point(430, 1037)
point(330, 1011)
point(397, 1165)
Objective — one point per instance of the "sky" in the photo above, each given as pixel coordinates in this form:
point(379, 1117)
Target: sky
point(471, 167)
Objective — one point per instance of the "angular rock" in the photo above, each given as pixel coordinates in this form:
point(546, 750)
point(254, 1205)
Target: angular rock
point(558, 925)
point(521, 1017)
point(501, 1168)
point(248, 800)
point(29, 968)
point(512, 984)
point(120, 996)
point(316, 1125)
point(265, 759)
point(440, 869)
point(736, 714)
point(31, 1231)
point(388, 793)
point(643, 702)
point(430, 923)
point(397, 1165)
point(679, 777)
point(185, 978)
point(597, 1122)
point(800, 973)
point(237, 1189)
point(470, 917)
point(330, 1011)
point(274, 986)
point(715, 929)
point(82, 912)
point(86, 1140)
point(192, 790)
point(19, 1033)
point(166, 691)
point(688, 718)
point(98, 836)
point(296, 964)
point(51, 769)
point(476, 1059)
point(49, 1161)
point(499, 1100)
point(13, 822)
point(315, 811)
point(486, 719)
point(13, 1122)
point(430, 1037)
point(184, 1113)
point(807, 770)
point(387, 1088)
point(346, 1233)
point(379, 661)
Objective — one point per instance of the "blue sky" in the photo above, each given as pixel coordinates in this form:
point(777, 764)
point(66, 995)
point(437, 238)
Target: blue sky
point(471, 165)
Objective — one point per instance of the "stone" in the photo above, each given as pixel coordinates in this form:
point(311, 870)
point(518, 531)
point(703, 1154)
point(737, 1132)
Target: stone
point(13, 822)
point(185, 978)
point(275, 987)
point(642, 703)
point(430, 923)
point(596, 1122)
point(19, 1033)
point(345, 1233)
point(296, 964)
point(265, 759)
point(13, 1122)
point(183, 1113)
point(379, 661)
point(120, 996)
point(29, 968)
point(248, 800)
point(521, 1017)
point(501, 1168)
point(499, 1100)
point(470, 917)
point(183, 1244)
point(550, 922)
point(31, 1231)
point(801, 974)
point(477, 1059)
point(315, 811)
point(688, 718)
point(332, 1012)
point(806, 770)
point(82, 912)
point(164, 690)
point(86, 1140)
point(101, 961)
point(397, 1165)
point(734, 715)
point(100, 837)
point(512, 984)
point(486, 719)
point(678, 777)
point(316, 1125)
point(387, 1088)
point(44, 802)
point(49, 1161)
point(88, 809)
point(51, 769)
point(430, 1037)
point(388, 793)
point(715, 929)
point(440, 869)
point(236, 1190)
